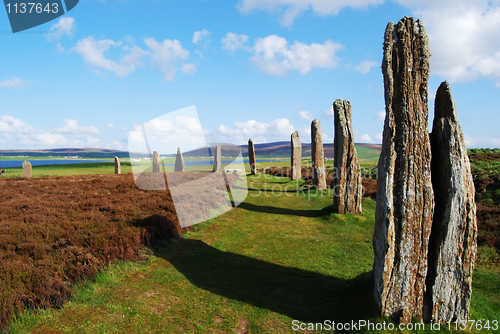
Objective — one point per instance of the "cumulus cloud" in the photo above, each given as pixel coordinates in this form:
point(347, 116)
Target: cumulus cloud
point(17, 134)
point(365, 66)
point(480, 141)
point(274, 56)
point(379, 137)
point(380, 116)
point(164, 56)
point(14, 83)
point(329, 112)
point(110, 126)
point(233, 42)
point(279, 129)
point(289, 10)
point(307, 115)
point(366, 139)
point(199, 36)
point(64, 27)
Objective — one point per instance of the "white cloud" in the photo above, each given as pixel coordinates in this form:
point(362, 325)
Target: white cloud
point(233, 42)
point(307, 115)
point(71, 126)
point(329, 112)
point(379, 137)
point(166, 54)
point(198, 36)
point(482, 142)
point(380, 116)
point(14, 83)
point(290, 9)
point(124, 128)
point(65, 26)
point(93, 52)
point(365, 66)
point(188, 68)
point(274, 56)
point(365, 139)
point(279, 129)
point(110, 126)
point(16, 134)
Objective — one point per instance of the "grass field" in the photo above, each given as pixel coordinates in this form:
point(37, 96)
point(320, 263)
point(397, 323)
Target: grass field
point(276, 258)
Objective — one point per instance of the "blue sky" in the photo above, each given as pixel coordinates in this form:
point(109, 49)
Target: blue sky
point(257, 69)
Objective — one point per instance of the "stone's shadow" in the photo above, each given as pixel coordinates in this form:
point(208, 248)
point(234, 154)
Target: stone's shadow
point(285, 211)
point(299, 294)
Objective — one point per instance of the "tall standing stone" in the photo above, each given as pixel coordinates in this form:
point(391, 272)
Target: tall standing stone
point(217, 159)
point(27, 169)
point(179, 161)
point(296, 159)
point(118, 167)
point(453, 241)
point(347, 181)
point(318, 157)
point(251, 156)
point(405, 200)
point(156, 162)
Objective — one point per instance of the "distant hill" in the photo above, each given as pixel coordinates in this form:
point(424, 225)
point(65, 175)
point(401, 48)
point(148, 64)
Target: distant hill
point(279, 149)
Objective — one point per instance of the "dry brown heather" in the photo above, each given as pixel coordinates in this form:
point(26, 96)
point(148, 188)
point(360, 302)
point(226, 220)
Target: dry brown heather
point(57, 230)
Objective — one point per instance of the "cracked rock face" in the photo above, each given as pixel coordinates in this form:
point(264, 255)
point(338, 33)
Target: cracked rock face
point(453, 241)
point(179, 161)
point(296, 159)
point(405, 200)
point(251, 156)
point(318, 156)
point(347, 185)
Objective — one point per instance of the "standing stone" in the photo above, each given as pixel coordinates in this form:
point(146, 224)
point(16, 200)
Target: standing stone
point(318, 157)
point(217, 159)
point(251, 156)
point(453, 241)
point(179, 161)
point(118, 167)
point(296, 156)
point(405, 201)
point(156, 162)
point(347, 181)
point(27, 169)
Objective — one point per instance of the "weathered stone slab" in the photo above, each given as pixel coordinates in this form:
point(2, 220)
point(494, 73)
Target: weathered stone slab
point(118, 167)
point(251, 156)
point(156, 162)
point(179, 161)
point(347, 180)
point(317, 155)
point(405, 200)
point(296, 159)
point(27, 172)
point(453, 241)
point(217, 159)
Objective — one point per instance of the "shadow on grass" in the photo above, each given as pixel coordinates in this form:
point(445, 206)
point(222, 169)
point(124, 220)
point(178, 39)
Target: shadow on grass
point(299, 294)
point(285, 211)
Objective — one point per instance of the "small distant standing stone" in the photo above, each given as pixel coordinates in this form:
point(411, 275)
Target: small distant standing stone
point(217, 159)
point(118, 167)
point(156, 162)
point(27, 169)
point(179, 161)
point(318, 157)
point(296, 156)
point(251, 156)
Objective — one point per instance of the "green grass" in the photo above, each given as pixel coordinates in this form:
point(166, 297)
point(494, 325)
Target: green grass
point(279, 256)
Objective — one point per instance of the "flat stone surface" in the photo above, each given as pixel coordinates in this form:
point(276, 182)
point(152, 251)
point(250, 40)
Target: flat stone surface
point(217, 159)
point(118, 167)
point(405, 199)
point(296, 159)
point(179, 161)
point(317, 155)
point(347, 180)
point(453, 241)
point(156, 162)
point(27, 172)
